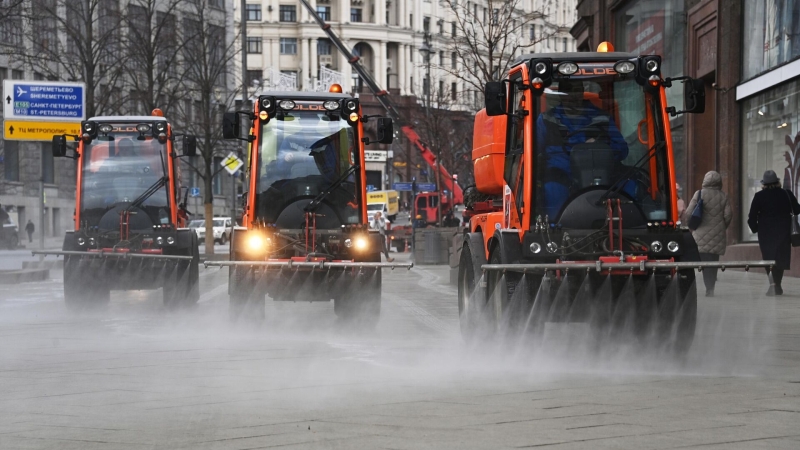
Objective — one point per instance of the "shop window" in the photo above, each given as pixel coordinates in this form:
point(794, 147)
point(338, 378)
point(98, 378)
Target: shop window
point(772, 35)
point(770, 140)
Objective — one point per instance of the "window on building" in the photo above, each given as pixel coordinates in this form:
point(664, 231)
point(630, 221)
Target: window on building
point(426, 24)
point(441, 58)
point(441, 26)
point(17, 74)
point(441, 88)
point(11, 160)
point(453, 90)
point(253, 13)
point(254, 45)
point(48, 165)
point(411, 20)
point(324, 12)
point(772, 36)
point(288, 13)
point(770, 125)
point(411, 83)
point(533, 32)
point(324, 47)
point(453, 29)
point(453, 60)
point(255, 75)
point(564, 44)
point(356, 15)
point(3, 73)
point(216, 182)
point(288, 46)
point(38, 76)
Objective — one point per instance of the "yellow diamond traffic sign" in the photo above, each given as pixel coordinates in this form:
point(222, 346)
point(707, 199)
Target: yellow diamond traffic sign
point(21, 130)
point(232, 163)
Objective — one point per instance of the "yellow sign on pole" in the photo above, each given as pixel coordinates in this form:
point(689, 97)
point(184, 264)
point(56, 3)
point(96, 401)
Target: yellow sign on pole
point(22, 130)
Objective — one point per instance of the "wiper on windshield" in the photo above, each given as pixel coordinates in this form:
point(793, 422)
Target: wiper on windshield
point(617, 185)
point(161, 182)
point(314, 204)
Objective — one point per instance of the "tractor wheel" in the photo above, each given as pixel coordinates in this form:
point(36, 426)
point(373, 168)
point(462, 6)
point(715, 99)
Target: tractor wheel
point(361, 303)
point(245, 302)
point(500, 287)
point(473, 310)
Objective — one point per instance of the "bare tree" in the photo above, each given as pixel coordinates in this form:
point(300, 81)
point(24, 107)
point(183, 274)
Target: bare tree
point(488, 40)
point(207, 60)
point(10, 9)
point(152, 50)
point(90, 50)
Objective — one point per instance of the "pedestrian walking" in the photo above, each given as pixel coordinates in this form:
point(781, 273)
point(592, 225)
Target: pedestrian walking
point(29, 228)
point(379, 223)
point(681, 203)
point(770, 216)
point(710, 235)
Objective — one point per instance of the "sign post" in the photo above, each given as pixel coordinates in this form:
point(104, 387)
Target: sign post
point(37, 111)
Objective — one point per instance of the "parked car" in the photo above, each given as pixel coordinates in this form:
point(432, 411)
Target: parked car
point(222, 229)
point(9, 235)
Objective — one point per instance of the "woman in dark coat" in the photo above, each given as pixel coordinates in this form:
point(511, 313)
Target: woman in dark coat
point(770, 217)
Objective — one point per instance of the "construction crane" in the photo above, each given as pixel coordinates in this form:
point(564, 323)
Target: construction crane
point(385, 99)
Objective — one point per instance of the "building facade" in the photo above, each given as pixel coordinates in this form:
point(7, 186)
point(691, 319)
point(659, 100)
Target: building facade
point(287, 50)
point(23, 165)
point(748, 54)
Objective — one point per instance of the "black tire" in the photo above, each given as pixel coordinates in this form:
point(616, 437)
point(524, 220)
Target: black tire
point(473, 310)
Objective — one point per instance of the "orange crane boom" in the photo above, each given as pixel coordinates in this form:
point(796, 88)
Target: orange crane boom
point(384, 98)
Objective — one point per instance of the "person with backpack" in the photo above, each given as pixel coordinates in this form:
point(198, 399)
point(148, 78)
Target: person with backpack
point(709, 231)
point(771, 217)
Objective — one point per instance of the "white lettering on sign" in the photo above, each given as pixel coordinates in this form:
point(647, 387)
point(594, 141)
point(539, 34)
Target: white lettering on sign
point(374, 156)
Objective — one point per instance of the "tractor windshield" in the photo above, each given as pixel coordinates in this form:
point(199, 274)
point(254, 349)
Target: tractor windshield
point(301, 154)
point(599, 138)
point(117, 169)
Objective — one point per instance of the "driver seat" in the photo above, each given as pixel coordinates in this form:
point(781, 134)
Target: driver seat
point(592, 164)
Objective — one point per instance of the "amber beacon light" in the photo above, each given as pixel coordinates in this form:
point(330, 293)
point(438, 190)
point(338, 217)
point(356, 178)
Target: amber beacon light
point(605, 47)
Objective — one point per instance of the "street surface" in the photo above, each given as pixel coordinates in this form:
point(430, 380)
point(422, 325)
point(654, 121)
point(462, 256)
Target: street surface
point(135, 376)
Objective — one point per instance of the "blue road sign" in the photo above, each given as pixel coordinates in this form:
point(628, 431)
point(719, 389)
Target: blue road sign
point(402, 187)
point(426, 186)
point(42, 100)
point(194, 192)
point(371, 188)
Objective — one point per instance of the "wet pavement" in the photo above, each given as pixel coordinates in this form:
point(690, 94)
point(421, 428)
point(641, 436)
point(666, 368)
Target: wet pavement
point(135, 376)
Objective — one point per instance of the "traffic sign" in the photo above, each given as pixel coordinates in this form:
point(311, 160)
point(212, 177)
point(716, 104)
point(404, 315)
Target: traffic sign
point(371, 188)
point(403, 187)
point(194, 192)
point(20, 130)
point(232, 163)
point(426, 187)
point(44, 100)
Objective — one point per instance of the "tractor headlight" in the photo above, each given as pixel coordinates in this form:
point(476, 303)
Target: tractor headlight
point(348, 243)
point(170, 240)
point(92, 242)
point(106, 128)
point(350, 105)
point(161, 127)
point(287, 104)
point(266, 103)
point(567, 68)
point(624, 67)
point(143, 128)
point(536, 247)
point(656, 246)
point(81, 241)
point(360, 243)
point(160, 240)
point(673, 246)
point(651, 65)
point(552, 247)
point(256, 242)
point(540, 68)
point(331, 105)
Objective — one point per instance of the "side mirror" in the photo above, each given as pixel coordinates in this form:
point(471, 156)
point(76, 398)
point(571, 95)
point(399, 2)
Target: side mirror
point(59, 146)
point(231, 126)
point(694, 96)
point(495, 93)
point(385, 130)
point(189, 145)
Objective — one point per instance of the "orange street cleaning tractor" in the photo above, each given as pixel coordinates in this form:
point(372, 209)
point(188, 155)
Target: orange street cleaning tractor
point(130, 218)
point(304, 233)
point(579, 222)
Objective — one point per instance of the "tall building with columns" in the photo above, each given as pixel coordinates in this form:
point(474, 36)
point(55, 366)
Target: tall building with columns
point(287, 49)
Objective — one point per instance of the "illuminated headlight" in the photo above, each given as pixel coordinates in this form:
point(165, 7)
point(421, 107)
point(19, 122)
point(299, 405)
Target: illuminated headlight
point(360, 243)
point(348, 243)
point(651, 65)
point(350, 105)
point(161, 127)
point(160, 240)
point(567, 68)
point(540, 68)
point(331, 105)
point(656, 246)
point(263, 115)
point(105, 128)
point(287, 104)
point(170, 240)
point(91, 242)
point(143, 128)
point(536, 247)
point(353, 117)
point(673, 246)
point(552, 247)
point(266, 103)
point(256, 242)
point(81, 241)
point(624, 67)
